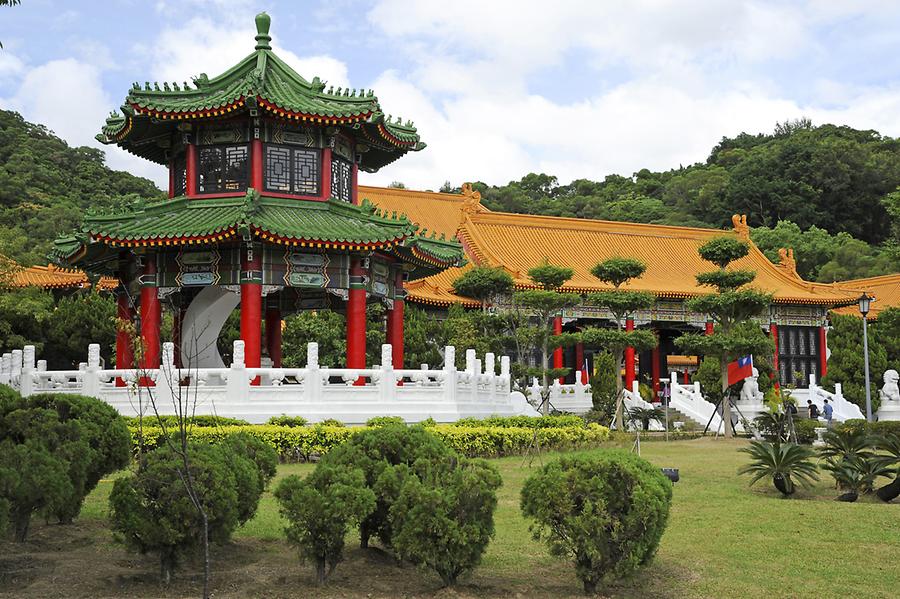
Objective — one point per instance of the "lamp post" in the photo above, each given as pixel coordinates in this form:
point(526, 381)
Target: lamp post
point(864, 302)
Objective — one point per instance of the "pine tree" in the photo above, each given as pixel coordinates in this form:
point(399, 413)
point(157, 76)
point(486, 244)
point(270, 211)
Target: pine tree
point(731, 309)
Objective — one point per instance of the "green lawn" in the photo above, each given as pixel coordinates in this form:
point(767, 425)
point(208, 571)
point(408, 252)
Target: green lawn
point(723, 540)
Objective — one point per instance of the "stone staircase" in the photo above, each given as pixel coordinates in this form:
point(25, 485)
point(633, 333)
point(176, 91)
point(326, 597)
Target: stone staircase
point(678, 416)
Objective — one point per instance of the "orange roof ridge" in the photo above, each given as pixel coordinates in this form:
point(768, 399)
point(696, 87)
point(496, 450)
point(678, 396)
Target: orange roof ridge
point(888, 278)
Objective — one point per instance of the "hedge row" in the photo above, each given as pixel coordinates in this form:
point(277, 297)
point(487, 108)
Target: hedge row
point(561, 421)
point(300, 443)
point(882, 427)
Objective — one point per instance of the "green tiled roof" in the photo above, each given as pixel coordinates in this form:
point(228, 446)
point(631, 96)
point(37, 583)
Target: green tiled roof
point(265, 82)
point(180, 220)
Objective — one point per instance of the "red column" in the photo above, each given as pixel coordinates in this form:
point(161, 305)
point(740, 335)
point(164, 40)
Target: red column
point(654, 368)
point(579, 362)
point(190, 170)
point(251, 304)
point(325, 191)
point(124, 349)
point(823, 355)
point(709, 328)
point(395, 322)
point(151, 312)
point(558, 352)
point(354, 172)
point(773, 330)
point(629, 357)
point(256, 165)
point(687, 378)
point(273, 332)
point(356, 318)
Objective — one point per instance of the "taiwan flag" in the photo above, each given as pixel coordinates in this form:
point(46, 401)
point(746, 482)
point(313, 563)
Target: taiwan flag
point(740, 369)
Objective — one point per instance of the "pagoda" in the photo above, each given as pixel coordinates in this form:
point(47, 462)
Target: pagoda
point(263, 211)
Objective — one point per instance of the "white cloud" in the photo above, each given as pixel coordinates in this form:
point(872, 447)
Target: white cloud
point(694, 72)
point(67, 96)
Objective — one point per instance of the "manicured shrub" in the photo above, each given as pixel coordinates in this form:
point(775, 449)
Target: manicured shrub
point(385, 421)
point(443, 518)
point(377, 450)
point(607, 511)
point(285, 420)
point(806, 430)
point(44, 463)
point(262, 454)
point(556, 421)
point(320, 510)
point(882, 427)
point(332, 422)
point(152, 512)
point(205, 420)
point(102, 428)
point(301, 443)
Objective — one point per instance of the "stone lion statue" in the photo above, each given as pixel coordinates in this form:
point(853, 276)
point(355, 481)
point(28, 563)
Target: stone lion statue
point(750, 392)
point(890, 390)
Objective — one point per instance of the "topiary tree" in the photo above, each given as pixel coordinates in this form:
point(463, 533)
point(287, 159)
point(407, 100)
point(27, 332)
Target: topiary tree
point(484, 283)
point(542, 304)
point(604, 386)
point(152, 512)
point(607, 512)
point(320, 509)
point(732, 309)
point(443, 519)
point(44, 462)
point(104, 431)
point(253, 463)
point(375, 451)
point(621, 303)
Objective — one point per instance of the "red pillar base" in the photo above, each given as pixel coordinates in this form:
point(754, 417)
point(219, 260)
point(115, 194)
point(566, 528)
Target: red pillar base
point(124, 349)
point(629, 358)
point(356, 319)
point(558, 352)
point(251, 305)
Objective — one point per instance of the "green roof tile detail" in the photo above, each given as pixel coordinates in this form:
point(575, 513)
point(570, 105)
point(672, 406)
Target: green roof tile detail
point(259, 80)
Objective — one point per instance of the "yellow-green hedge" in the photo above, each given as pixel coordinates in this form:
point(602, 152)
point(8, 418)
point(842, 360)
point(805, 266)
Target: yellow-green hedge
point(299, 443)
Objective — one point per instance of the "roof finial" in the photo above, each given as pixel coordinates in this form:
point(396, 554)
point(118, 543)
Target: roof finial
point(262, 31)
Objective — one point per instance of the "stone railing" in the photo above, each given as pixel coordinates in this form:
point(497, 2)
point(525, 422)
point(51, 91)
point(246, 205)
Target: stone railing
point(574, 398)
point(843, 409)
point(254, 394)
point(688, 400)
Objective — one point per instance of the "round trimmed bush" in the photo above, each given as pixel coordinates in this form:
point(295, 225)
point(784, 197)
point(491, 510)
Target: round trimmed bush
point(152, 511)
point(607, 510)
point(385, 421)
point(320, 509)
point(285, 420)
point(106, 434)
point(444, 519)
point(376, 451)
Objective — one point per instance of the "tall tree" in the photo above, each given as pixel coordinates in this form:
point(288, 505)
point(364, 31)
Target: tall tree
point(622, 304)
point(543, 304)
point(484, 283)
point(731, 309)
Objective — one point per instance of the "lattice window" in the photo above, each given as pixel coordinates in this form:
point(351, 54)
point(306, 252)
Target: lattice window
point(798, 354)
point(341, 179)
point(292, 170)
point(223, 169)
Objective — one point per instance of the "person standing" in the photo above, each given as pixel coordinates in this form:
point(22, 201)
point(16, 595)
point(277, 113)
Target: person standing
point(813, 410)
point(827, 410)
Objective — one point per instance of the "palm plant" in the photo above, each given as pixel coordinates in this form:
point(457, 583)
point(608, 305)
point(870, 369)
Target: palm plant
point(890, 459)
point(847, 444)
point(783, 462)
point(644, 416)
point(848, 477)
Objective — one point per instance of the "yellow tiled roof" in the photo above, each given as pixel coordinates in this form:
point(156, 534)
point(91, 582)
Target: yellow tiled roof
point(439, 212)
point(437, 290)
point(885, 290)
point(53, 277)
point(517, 242)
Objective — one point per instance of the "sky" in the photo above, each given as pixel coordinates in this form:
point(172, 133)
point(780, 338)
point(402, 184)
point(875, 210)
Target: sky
point(497, 88)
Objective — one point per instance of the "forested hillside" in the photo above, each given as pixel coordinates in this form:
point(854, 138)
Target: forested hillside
point(829, 192)
point(45, 187)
